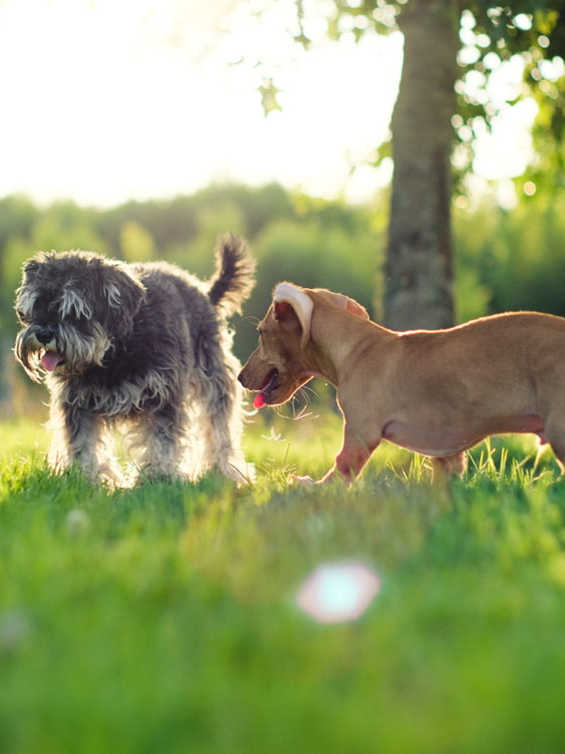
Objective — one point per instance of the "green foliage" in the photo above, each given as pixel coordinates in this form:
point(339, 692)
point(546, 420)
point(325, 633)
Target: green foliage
point(514, 258)
point(163, 618)
point(173, 222)
point(197, 255)
point(136, 243)
point(17, 217)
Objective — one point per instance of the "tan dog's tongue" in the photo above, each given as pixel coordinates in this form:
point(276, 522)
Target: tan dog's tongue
point(49, 360)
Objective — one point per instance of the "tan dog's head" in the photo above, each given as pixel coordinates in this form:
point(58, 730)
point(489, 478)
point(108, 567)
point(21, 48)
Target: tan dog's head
point(286, 357)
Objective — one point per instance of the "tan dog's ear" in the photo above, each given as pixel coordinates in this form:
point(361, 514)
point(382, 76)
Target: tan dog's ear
point(344, 302)
point(355, 308)
point(289, 298)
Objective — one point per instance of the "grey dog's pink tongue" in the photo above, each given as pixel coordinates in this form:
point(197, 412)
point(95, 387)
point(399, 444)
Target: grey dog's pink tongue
point(50, 359)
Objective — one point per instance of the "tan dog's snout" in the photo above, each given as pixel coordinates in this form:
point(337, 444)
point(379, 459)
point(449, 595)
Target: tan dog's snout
point(262, 377)
point(252, 376)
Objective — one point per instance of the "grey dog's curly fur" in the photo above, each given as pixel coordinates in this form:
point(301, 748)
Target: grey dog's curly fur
point(142, 346)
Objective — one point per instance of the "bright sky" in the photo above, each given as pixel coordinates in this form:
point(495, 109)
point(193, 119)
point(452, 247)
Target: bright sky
point(107, 100)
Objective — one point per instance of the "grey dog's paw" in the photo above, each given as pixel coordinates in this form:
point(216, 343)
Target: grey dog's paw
point(238, 471)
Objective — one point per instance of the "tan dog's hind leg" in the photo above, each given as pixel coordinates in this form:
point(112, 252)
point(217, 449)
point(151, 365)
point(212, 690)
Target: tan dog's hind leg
point(443, 469)
point(447, 466)
point(554, 434)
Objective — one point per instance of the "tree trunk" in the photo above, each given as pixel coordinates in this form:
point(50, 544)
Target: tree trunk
point(419, 269)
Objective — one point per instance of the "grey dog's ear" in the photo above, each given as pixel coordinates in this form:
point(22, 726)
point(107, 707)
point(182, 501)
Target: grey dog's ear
point(123, 293)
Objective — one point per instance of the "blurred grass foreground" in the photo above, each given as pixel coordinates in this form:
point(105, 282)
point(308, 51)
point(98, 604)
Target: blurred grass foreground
point(164, 618)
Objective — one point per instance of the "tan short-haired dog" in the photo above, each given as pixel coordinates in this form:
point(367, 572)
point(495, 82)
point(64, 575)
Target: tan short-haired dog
point(437, 392)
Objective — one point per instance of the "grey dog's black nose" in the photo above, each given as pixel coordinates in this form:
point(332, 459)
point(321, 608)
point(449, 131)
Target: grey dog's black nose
point(239, 378)
point(45, 334)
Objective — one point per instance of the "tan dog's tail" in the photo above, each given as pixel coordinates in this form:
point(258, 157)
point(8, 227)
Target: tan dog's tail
point(235, 274)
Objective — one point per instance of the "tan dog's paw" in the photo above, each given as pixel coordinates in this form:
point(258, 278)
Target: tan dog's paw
point(303, 481)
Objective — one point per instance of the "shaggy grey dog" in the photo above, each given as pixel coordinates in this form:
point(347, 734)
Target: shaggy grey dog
point(144, 347)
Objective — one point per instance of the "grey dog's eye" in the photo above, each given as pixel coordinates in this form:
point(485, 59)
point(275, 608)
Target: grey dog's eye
point(21, 315)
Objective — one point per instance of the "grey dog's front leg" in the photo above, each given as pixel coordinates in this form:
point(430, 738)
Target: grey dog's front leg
point(76, 439)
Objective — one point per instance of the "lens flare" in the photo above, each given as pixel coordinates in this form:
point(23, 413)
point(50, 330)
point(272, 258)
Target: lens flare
point(338, 592)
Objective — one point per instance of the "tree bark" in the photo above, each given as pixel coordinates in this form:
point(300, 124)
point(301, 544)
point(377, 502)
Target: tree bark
point(419, 269)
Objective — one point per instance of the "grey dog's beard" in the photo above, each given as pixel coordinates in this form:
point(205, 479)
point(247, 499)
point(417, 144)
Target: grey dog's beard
point(78, 350)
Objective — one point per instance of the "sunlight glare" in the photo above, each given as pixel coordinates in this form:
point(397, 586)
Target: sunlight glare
point(108, 101)
point(115, 100)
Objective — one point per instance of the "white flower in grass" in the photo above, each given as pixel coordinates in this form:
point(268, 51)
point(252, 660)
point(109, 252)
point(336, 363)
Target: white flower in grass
point(77, 521)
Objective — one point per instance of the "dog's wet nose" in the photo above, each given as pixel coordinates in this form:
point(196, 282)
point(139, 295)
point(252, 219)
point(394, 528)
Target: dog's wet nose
point(45, 334)
point(240, 378)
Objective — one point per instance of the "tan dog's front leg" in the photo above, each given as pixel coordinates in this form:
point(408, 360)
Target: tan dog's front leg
point(353, 456)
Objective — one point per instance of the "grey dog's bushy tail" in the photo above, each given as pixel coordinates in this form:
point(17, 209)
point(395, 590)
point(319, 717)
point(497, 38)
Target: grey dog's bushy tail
point(235, 274)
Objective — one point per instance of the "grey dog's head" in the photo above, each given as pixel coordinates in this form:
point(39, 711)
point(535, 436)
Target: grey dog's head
point(72, 305)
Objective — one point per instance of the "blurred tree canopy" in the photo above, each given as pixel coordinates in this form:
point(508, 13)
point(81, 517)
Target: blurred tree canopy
point(453, 52)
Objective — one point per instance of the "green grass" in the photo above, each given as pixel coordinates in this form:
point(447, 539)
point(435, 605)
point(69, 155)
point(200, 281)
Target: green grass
point(162, 619)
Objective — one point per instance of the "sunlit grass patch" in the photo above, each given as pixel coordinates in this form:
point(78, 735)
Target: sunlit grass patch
point(22, 438)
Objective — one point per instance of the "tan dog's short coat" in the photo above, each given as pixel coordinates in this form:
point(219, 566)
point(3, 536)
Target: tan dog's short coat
point(437, 392)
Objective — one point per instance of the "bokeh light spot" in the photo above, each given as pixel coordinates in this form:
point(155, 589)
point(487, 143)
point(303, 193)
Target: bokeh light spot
point(338, 592)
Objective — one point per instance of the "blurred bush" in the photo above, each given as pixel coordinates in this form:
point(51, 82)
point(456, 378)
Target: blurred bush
point(512, 260)
point(504, 260)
